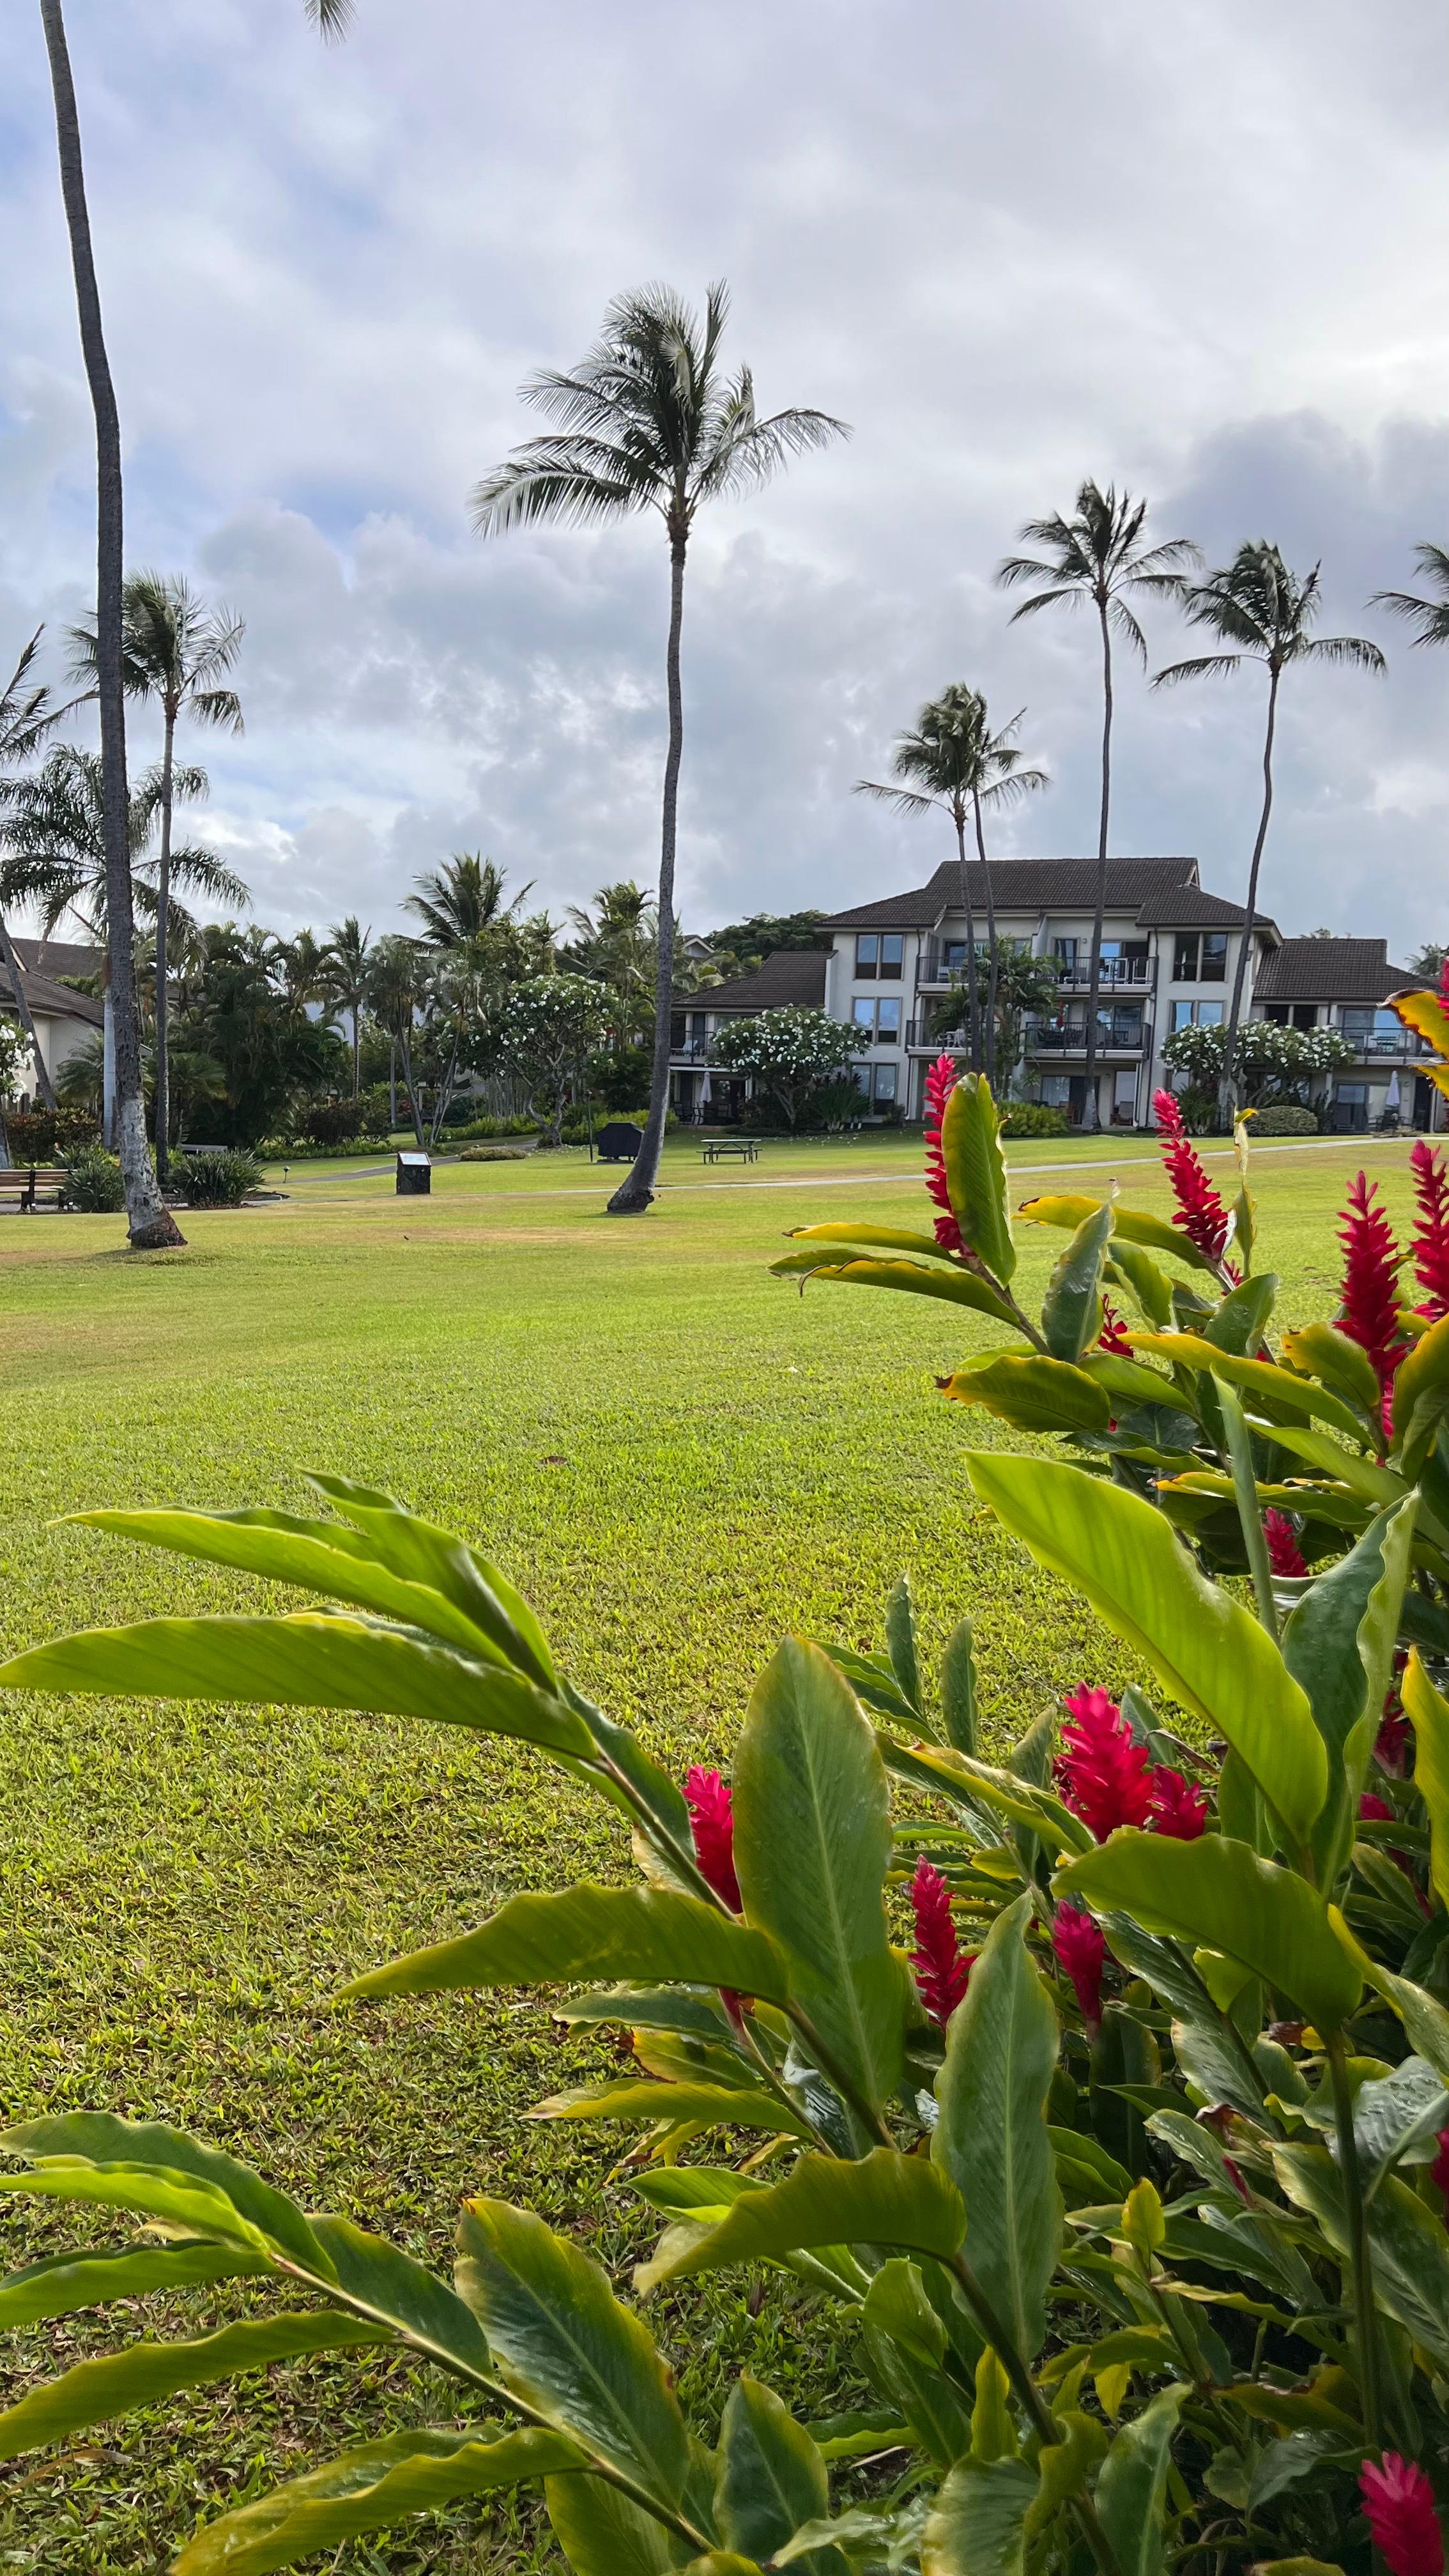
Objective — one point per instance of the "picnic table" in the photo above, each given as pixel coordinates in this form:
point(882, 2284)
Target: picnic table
point(721, 1149)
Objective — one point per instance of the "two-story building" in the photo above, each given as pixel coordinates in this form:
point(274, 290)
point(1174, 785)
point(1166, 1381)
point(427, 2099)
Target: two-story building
point(1344, 984)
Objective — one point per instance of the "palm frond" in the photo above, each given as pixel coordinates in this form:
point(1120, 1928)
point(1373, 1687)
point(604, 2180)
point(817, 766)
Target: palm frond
point(1014, 787)
point(204, 873)
point(1062, 597)
point(1431, 616)
point(902, 800)
point(745, 460)
point(1209, 666)
point(1126, 626)
point(541, 482)
point(331, 18)
point(1343, 652)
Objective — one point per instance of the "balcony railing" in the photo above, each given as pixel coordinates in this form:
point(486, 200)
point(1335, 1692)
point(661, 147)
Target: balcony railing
point(1118, 1033)
point(1397, 1042)
point(1116, 971)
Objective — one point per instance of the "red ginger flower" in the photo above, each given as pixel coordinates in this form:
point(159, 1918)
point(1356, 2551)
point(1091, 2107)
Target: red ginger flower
point(711, 1817)
point(1399, 2503)
point(1370, 1309)
point(1104, 1776)
point(1444, 981)
point(1391, 1744)
point(1082, 1952)
point(1439, 2169)
point(1112, 1336)
point(1284, 1554)
point(1374, 1810)
point(1179, 1806)
point(1201, 1214)
point(1429, 1242)
point(940, 1083)
point(943, 1972)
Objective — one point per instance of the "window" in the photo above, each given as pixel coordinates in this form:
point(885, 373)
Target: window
point(863, 1014)
point(1214, 967)
point(1065, 952)
point(1184, 958)
point(867, 955)
point(1278, 1013)
point(1182, 1015)
point(892, 953)
point(1356, 1021)
point(1124, 1097)
point(883, 1079)
point(1305, 1015)
point(1209, 1015)
point(1056, 1090)
point(879, 953)
point(888, 1023)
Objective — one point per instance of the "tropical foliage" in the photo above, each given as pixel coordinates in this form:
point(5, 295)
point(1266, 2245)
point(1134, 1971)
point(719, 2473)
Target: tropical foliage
point(792, 1054)
point(1272, 1062)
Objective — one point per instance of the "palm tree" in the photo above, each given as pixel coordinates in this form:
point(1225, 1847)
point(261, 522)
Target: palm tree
point(1261, 609)
point(397, 988)
point(959, 767)
point(1096, 559)
point(175, 651)
point(1431, 616)
point(27, 715)
point(149, 1222)
point(648, 421)
point(462, 899)
point(346, 969)
point(58, 861)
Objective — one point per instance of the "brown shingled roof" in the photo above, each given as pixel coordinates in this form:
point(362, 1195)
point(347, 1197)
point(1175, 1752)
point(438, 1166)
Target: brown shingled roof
point(1162, 893)
point(791, 975)
point(1330, 970)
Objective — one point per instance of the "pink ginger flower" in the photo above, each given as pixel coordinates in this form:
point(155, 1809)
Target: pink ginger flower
point(1439, 2169)
point(943, 1971)
point(1399, 2503)
point(1429, 1242)
point(1200, 1214)
point(1179, 1806)
point(710, 1801)
point(1369, 1313)
point(1103, 1774)
point(940, 1083)
point(1284, 1554)
point(1081, 1952)
point(1112, 1336)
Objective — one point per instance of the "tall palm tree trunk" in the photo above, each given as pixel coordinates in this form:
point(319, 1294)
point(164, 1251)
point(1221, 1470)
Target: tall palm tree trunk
point(11, 963)
point(163, 895)
point(1226, 1085)
point(149, 1222)
point(636, 1190)
point(356, 1052)
point(1091, 1120)
point(993, 968)
point(973, 995)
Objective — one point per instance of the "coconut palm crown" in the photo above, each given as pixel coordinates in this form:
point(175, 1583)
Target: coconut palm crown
point(648, 421)
point(1431, 616)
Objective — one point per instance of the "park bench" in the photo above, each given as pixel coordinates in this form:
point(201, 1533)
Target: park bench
point(29, 1183)
point(720, 1149)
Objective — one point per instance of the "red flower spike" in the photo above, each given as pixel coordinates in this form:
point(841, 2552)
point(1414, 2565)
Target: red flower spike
point(1391, 1744)
point(1081, 1952)
point(1444, 982)
point(1112, 1337)
point(1103, 1775)
point(1284, 1555)
point(940, 1083)
point(1399, 2503)
point(1201, 1214)
point(1439, 2169)
point(711, 1818)
point(1370, 1310)
point(942, 1971)
point(1429, 1242)
point(1375, 1810)
point(1179, 1806)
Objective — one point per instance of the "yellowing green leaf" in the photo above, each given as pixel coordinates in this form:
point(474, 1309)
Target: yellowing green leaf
point(976, 1173)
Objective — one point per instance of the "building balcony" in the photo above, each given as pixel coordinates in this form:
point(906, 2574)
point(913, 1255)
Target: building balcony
point(1127, 1038)
point(1116, 972)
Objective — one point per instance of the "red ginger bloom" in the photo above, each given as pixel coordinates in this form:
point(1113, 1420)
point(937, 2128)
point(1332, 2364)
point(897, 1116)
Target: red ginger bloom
point(1391, 1744)
point(1444, 982)
point(1375, 1810)
point(711, 1817)
point(1104, 1776)
point(1082, 1952)
point(940, 1083)
point(1439, 2169)
point(1284, 1554)
point(1112, 1336)
point(1370, 1309)
point(1201, 1214)
point(1399, 2503)
point(943, 1972)
point(1429, 1242)
point(1179, 1806)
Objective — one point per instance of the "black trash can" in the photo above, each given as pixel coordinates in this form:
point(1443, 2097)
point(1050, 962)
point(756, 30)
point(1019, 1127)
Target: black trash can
point(414, 1176)
point(619, 1142)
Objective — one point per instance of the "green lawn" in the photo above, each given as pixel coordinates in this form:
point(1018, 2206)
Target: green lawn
point(678, 1457)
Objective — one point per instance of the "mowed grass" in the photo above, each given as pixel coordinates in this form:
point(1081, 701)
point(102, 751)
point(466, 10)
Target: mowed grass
point(679, 1458)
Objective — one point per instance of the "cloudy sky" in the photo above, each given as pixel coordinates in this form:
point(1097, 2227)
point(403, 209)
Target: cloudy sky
point(1200, 249)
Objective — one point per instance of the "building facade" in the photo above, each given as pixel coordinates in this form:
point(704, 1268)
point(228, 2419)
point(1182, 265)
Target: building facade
point(1344, 984)
point(65, 1021)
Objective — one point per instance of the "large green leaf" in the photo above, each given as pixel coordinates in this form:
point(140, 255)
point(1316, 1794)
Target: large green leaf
point(310, 1659)
point(379, 2280)
point(1425, 2019)
point(60, 2283)
point(567, 2347)
point(1322, 1351)
point(1429, 1711)
point(1032, 1393)
point(230, 2200)
point(1241, 1320)
point(1132, 2487)
point(1408, 2245)
point(1071, 1315)
point(875, 1238)
point(771, 2478)
point(901, 1646)
point(1421, 1397)
point(366, 2490)
point(422, 1553)
point(992, 2136)
point(1339, 1643)
point(602, 2533)
point(317, 1556)
point(812, 1847)
point(976, 1173)
point(586, 1931)
point(1129, 1225)
point(1205, 1647)
point(881, 2199)
point(1129, 1265)
point(906, 2344)
point(120, 2381)
point(717, 2106)
point(1397, 2115)
point(1259, 1378)
point(957, 1287)
point(958, 1688)
point(977, 2526)
point(1219, 1895)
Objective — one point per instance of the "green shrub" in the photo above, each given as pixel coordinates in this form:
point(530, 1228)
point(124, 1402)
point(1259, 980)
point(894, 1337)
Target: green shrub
point(332, 1122)
point(1033, 1118)
point(487, 1126)
point(494, 1154)
point(1285, 1122)
point(48, 1135)
point(93, 1185)
point(220, 1176)
point(1200, 1113)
